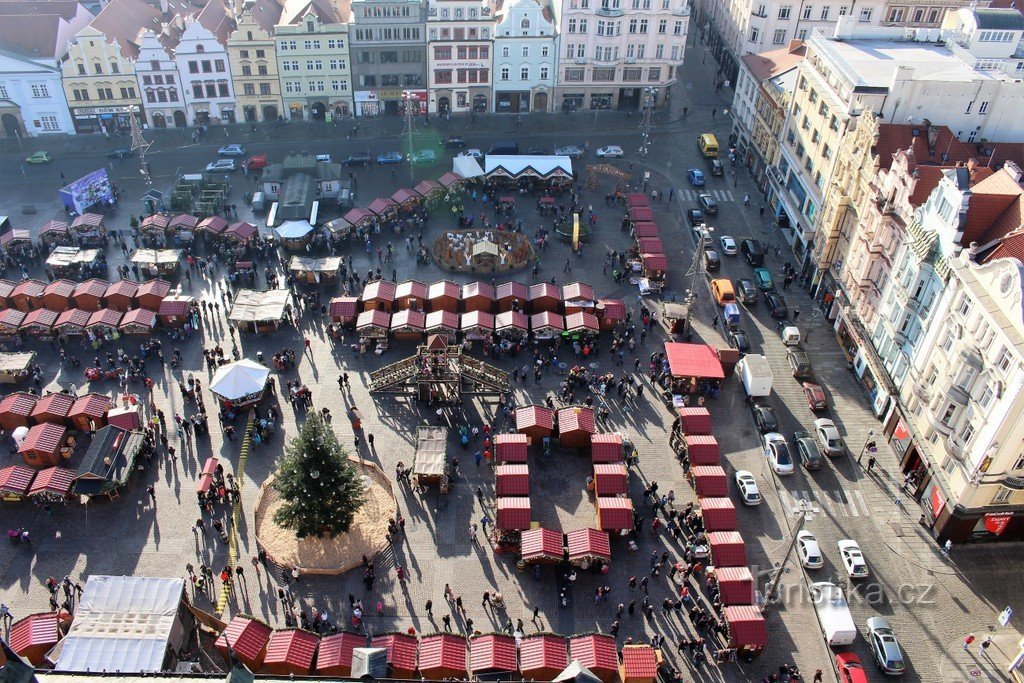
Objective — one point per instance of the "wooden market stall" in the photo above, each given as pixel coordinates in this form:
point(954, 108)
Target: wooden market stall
point(692, 420)
point(614, 514)
point(476, 325)
point(151, 293)
point(649, 245)
point(28, 295)
point(581, 325)
point(246, 638)
point(510, 448)
point(104, 322)
point(214, 225)
point(120, 295)
point(174, 310)
point(75, 262)
point(587, 547)
point(478, 296)
point(430, 465)
point(88, 295)
point(442, 322)
point(182, 228)
point(323, 271)
point(53, 483)
point(53, 408)
point(576, 426)
point(35, 635)
point(406, 199)
point(157, 262)
point(10, 324)
point(634, 199)
point(641, 214)
point(411, 294)
point(72, 322)
point(138, 322)
point(542, 546)
point(15, 410)
point(44, 445)
point(727, 549)
point(535, 422)
point(736, 585)
point(401, 653)
point(88, 229)
point(380, 295)
point(719, 514)
point(258, 311)
point(442, 656)
point(512, 296)
point(709, 480)
point(241, 232)
point(578, 297)
point(39, 323)
point(543, 656)
point(545, 297)
point(240, 384)
point(290, 652)
point(645, 229)
point(511, 325)
point(359, 217)
point(344, 310)
point(16, 240)
point(428, 188)
point(690, 363)
point(383, 208)
point(512, 479)
point(611, 479)
point(492, 656)
point(513, 513)
point(546, 325)
point(58, 295)
point(6, 289)
point(109, 462)
point(335, 655)
point(654, 267)
point(444, 296)
point(89, 413)
point(606, 448)
point(407, 324)
point(16, 368)
point(598, 653)
point(15, 482)
point(154, 230)
point(746, 630)
point(639, 664)
point(374, 324)
point(55, 233)
point(700, 449)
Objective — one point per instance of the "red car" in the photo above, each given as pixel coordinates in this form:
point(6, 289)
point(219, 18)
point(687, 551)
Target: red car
point(254, 163)
point(850, 670)
point(815, 396)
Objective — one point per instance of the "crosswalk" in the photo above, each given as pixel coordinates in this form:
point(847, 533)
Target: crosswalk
point(833, 502)
point(719, 195)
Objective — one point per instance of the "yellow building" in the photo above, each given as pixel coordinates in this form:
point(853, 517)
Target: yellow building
point(252, 53)
point(98, 71)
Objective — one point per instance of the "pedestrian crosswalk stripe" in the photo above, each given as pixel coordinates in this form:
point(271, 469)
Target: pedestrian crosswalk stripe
point(834, 502)
point(719, 195)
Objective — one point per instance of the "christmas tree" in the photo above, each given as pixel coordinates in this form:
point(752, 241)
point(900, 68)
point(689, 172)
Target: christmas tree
point(320, 488)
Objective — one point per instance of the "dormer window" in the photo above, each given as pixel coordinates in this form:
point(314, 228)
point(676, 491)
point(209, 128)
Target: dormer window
point(200, 48)
point(525, 23)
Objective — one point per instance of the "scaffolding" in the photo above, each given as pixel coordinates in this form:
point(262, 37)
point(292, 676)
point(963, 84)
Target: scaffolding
point(439, 372)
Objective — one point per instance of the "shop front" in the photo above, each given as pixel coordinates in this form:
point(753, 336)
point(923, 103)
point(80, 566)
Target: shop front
point(390, 101)
point(104, 119)
point(511, 101)
point(462, 100)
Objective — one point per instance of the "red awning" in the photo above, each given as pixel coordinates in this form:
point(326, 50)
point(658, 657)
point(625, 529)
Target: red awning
point(442, 656)
point(576, 419)
point(53, 481)
point(291, 652)
point(415, 320)
point(512, 479)
point(597, 653)
point(639, 662)
point(510, 448)
point(401, 649)
point(645, 230)
point(174, 307)
point(641, 213)
point(710, 480)
point(335, 655)
point(542, 545)
point(650, 245)
point(542, 657)
point(701, 449)
point(727, 549)
point(694, 420)
point(693, 360)
point(636, 199)
point(381, 205)
point(514, 513)
point(34, 635)
point(588, 544)
point(492, 653)
point(747, 627)
point(379, 289)
point(654, 262)
point(606, 448)
point(535, 419)
point(614, 514)
point(610, 479)
point(581, 321)
point(16, 479)
point(344, 306)
point(719, 514)
point(511, 320)
point(476, 319)
point(247, 637)
point(374, 318)
point(736, 585)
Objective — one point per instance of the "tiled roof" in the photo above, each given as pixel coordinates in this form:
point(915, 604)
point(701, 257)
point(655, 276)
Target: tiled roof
point(1011, 246)
point(774, 62)
point(216, 18)
point(994, 208)
point(32, 28)
point(947, 150)
point(124, 20)
point(266, 13)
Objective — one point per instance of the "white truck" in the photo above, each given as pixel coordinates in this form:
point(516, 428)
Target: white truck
point(756, 375)
point(833, 613)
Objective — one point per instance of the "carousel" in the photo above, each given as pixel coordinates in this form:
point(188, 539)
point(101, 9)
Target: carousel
point(480, 250)
point(240, 384)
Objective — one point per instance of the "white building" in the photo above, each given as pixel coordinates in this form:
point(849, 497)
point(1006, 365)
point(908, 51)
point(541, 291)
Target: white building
point(202, 59)
point(460, 40)
point(612, 51)
point(156, 72)
point(33, 40)
point(313, 59)
point(525, 58)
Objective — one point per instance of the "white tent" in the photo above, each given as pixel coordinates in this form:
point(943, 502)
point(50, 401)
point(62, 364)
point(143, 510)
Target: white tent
point(467, 167)
point(523, 166)
point(238, 380)
point(293, 230)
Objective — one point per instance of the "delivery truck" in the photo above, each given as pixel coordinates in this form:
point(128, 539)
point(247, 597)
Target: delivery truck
point(833, 613)
point(756, 375)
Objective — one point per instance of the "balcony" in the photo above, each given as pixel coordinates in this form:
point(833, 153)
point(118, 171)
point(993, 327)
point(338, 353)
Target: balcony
point(682, 11)
point(956, 447)
point(938, 425)
point(610, 12)
point(923, 392)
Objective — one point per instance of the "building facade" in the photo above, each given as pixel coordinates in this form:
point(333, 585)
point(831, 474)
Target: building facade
point(525, 44)
point(389, 56)
point(611, 51)
point(460, 43)
point(202, 59)
point(157, 76)
point(313, 60)
point(252, 54)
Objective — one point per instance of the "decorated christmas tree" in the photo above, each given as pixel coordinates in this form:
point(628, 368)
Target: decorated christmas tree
point(320, 488)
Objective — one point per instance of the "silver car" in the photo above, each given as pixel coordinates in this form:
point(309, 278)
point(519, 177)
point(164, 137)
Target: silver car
point(884, 647)
point(828, 437)
point(571, 151)
point(221, 165)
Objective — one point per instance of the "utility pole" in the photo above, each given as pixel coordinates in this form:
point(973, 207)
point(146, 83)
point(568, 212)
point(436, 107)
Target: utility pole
point(411, 101)
point(140, 143)
point(805, 513)
point(690, 297)
point(869, 446)
point(646, 124)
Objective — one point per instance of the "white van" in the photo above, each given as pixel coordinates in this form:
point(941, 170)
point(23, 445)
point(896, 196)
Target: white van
point(833, 613)
point(323, 157)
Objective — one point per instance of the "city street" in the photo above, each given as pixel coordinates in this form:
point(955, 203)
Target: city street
point(931, 601)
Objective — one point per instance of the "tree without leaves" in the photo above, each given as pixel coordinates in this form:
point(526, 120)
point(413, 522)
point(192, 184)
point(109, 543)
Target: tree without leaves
point(324, 504)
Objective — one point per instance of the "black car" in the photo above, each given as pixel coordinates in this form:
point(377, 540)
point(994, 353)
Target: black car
point(746, 291)
point(708, 204)
point(753, 252)
point(715, 167)
point(695, 216)
point(765, 419)
point(122, 153)
point(776, 305)
point(454, 142)
point(810, 455)
point(361, 159)
point(711, 261)
point(738, 340)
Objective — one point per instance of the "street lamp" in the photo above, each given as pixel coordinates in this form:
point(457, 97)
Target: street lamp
point(411, 101)
point(646, 124)
point(869, 446)
point(805, 511)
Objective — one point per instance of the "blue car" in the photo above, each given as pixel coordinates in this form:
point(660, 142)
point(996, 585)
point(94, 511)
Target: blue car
point(390, 158)
point(696, 177)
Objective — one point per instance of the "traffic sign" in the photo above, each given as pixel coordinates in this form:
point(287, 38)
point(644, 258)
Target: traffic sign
point(1005, 616)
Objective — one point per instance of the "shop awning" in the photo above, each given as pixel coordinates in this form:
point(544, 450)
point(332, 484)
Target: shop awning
point(518, 166)
point(510, 448)
point(33, 636)
point(693, 360)
point(381, 205)
point(441, 321)
point(449, 179)
point(344, 306)
point(589, 544)
point(542, 545)
point(641, 214)
point(577, 292)
point(654, 262)
point(383, 290)
point(547, 321)
point(511, 320)
point(513, 290)
point(408, 319)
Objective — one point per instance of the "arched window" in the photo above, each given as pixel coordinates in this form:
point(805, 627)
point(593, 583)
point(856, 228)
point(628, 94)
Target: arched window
point(472, 14)
point(458, 12)
point(433, 34)
point(444, 14)
point(485, 34)
point(248, 35)
point(526, 23)
point(200, 48)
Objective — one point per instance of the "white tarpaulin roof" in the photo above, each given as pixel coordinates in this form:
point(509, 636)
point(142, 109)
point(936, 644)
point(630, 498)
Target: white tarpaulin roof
point(237, 380)
point(123, 623)
point(518, 165)
point(293, 230)
point(467, 167)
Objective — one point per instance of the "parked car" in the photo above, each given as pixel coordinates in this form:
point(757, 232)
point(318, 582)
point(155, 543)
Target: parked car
point(696, 177)
point(255, 162)
point(853, 559)
point(324, 157)
point(776, 305)
point(357, 159)
point(763, 279)
point(423, 156)
point(571, 151)
point(885, 647)
point(764, 418)
point(850, 668)
point(390, 158)
point(221, 165)
point(711, 261)
point(728, 245)
point(746, 291)
point(231, 151)
point(800, 363)
point(122, 153)
point(828, 437)
point(776, 450)
point(738, 340)
point(747, 486)
point(752, 252)
point(807, 449)
point(708, 204)
point(695, 217)
point(609, 152)
point(39, 158)
point(815, 396)
point(715, 167)
point(475, 153)
point(454, 142)
point(808, 550)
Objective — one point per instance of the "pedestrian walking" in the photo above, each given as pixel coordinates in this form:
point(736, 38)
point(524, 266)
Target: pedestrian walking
point(967, 642)
point(746, 200)
point(152, 492)
point(566, 268)
point(714, 322)
point(946, 547)
point(796, 314)
point(430, 608)
point(536, 616)
point(985, 644)
point(871, 462)
point(486, 599)
point(447, 621)
point(369, 441)
point(480, 493)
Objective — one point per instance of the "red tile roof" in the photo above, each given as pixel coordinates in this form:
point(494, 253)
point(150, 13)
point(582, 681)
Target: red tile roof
point(44, 438)
point(53, 404)
point(576, 418)
point(510, 448)
point(247, 637)
point(18, 403)
point(335, 656)
point(588, 543)
point(513, 513)
point(74, 317)
point(93, 287)
point(16, 479)
point(595, 652)
point(774, 62)
point(155, 287)
point(30, 288)
point(545, 289)
point(606, 448)
point(492, 653)
point(53, 480)
point(125, 288)
point(292, 650)
point(639, 661)
point(544, 656)
point(473, 289)
point(541, 545)
point(64, 288)
point(41, 317)
point(946, 150)
point(90, 405)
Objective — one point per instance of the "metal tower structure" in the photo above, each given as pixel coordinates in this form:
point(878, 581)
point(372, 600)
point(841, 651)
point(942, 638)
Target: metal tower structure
point(411, 102)
point(141, 144)
point(646, 125)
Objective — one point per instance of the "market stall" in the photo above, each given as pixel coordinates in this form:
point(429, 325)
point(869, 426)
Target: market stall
point(641, 230)
point(428, 189)
point(34, 636)
point(39, 323)
point(405, 199)
point(76, 263)
point(55, 233)
point(575, 426)
point(15, 368)
point(88, 295)
point(72, 322)
point(693, 420)
point(700, 449)
point(510, 448)
point(15, 482)
point(213, 225)
point(154, 230)
point(241, 233)
point(10, 326)
point(512, 296)
point(246, 639)
point(609, 313)
point(240, 384)
point(450, 180)
point(173, 311)
point(182, 228)
point(28, 295)
point(88, 230)
point(546, 325)
point(727, 549)
point(493, 657)
point(57, 296)
point(641, 214)
point(542, 546)
point(295, 235)
point(736, 585)
point(654, 267)
point(513, 513)
point(138, 322)
point(606, 448)
point(542, 656)
point(719, 514)
point(335, 655)
point(690, 363)
point(290, 652)
point(401, 653)
point(44, 445)
point(442, 656)
point(598, 653)
point(511, 325)
point(634, 199)
point(380, 295)
point(639, 664)
point(6, 289)
point(157, 262)
point(650, 245)
point(478, 296)
point(746, 630)
point(383, 208)
point(709, 480)
point(588, 547)
point(512, 479)
point(151, 293)
point(444, 296)
point(104, 322)
point(344, 310)
point(442, 322)
point(15, 410)
point(545, 296)
point(407, 324)
point(535, 422)
point(52, 483)
point(53, 408)
point(120, 295)
point(89, 413)
point(259, 311)
point(374, 325)
point(323, 271)
point(476, 325)
point(411, 294)
point(581, 326)
point(578, 297)
point(611, 479)
point(430, 465)
point(614, 514)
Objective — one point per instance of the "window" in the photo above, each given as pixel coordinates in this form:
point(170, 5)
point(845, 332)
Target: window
point(754, 34)
point(389, 57)
point(264, 88)
point(654, 74)
point(545, 50)
point(865, 15)
point(571, 28)
point(833, 123)
point(197, 90)
point(643, 26)
point(663, 26)
point(815, 137)
point(391, 79)
point(218, 65)
point(895, 14)
point(211, 90)
point(632, 74)
point(1003, 360)
point(807, 11)
point(570, 51)
point(780, 36)
point(933, 16)
point(604, 74)
point(128, 93)
point(677, 29)
point(49, 122)
point(1019, 464)
point(583, 26)
point(964, 308)
point(632, 27)
point(524, 73)
point(504, 73)
point(823, 110)
point(81, 69)
point(261, 54)
point(249, 88)
point(784, 11)
point(544, 73)
point(659, 52)
point(40, 90)
point(526, 50)
point(172, 94)
point(983, 107)
point(826, 151)
point(574, 74)
point(246, 70)
point(150, 95)
point(1002, 496)
point(372, 80)
point(824, 12)
point(440, 53)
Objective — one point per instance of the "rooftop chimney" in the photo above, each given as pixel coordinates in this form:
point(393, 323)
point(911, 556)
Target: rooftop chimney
point(1013, 169)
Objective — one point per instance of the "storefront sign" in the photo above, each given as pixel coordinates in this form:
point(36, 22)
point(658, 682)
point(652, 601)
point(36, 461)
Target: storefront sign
point(462, 64)
point(98, 111)
point(390, 93)
point(996, 523)
point(365, 96)
point(937, 502)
